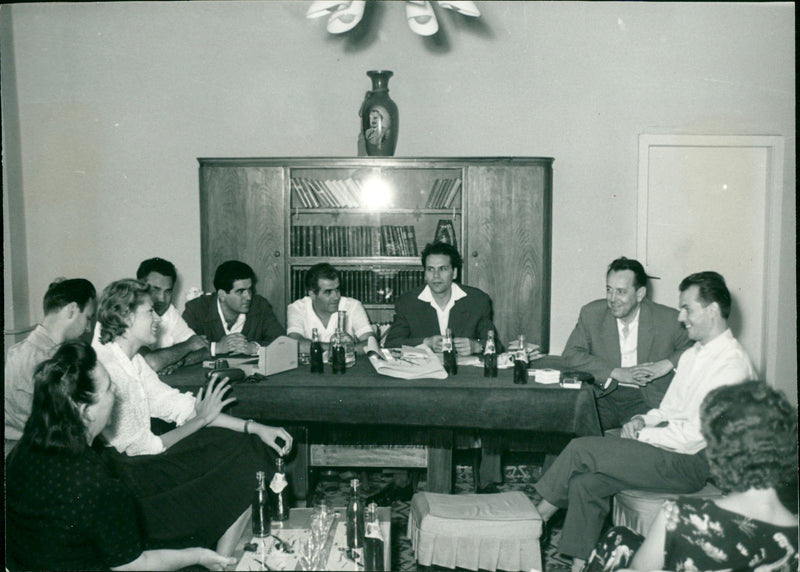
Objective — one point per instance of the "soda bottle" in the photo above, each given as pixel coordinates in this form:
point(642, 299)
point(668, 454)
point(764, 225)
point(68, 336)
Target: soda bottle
point(316, 353)
point(449, 353)
point(337, 354)
point(279, 491)
point(373, 541)
point(521, 362)
point(261, 509)
point(355, 516)
point(341, 337)
point(490, 357)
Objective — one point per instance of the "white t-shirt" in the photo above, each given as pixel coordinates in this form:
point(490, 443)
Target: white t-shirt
point(302, 319)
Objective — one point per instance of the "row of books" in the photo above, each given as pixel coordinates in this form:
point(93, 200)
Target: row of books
point(367, 286)
point(443, 194)
point(384, 240)
point(330, 193)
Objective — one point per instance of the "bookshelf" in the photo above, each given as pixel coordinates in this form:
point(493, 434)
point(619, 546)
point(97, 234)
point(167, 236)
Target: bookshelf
point(371, 217)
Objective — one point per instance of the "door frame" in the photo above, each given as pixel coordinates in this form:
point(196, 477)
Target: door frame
point(766, 363)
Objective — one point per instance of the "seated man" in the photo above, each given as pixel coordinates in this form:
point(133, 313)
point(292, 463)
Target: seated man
point(319, 310)
point(628, 340)
point(425, 313)
point(69, 307)
point(177, 344)
point(661, 450)
point(235, 319)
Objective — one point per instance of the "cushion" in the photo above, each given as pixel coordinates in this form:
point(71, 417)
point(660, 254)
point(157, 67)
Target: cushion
point(638, 509)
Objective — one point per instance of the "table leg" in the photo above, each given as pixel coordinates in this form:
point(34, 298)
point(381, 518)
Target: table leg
point(440, 469)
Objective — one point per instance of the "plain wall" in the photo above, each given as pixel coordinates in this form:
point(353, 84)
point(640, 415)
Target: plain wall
point(110, 104)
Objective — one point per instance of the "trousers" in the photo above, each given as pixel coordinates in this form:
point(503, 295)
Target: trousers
point(590, 470)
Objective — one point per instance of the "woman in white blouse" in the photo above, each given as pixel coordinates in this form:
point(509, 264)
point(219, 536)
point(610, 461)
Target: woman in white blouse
point(193, 481)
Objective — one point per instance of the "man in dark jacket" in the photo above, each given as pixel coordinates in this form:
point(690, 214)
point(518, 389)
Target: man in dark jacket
point(235, 319)
point(629, 344)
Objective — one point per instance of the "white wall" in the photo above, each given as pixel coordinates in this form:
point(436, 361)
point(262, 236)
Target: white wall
point(117, 100)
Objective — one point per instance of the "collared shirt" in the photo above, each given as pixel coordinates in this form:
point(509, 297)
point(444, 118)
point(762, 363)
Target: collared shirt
point(722, 361)
point(236, 328)
point(21, 362)
point(628, 343)
point(172, 330)
point(139, 395)
point(443, 314)
point(302, 319)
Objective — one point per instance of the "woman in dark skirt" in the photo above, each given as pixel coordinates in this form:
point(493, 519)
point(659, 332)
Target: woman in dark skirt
point(193, 481)
point(64, 510)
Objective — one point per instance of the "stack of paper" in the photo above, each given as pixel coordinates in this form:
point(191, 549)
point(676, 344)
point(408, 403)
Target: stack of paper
point(547, 376)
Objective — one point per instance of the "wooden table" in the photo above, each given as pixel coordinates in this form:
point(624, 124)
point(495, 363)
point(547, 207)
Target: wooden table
point(299, 519)
point(362, 397)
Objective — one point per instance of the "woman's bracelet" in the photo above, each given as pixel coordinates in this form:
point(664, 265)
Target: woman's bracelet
point(247, 426)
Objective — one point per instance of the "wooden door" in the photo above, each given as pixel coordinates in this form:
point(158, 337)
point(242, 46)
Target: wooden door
point(242, 214)
point(507, 250)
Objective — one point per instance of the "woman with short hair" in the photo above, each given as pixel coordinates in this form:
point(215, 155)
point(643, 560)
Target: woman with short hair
point(192, 481)
point(64, 510)
point(751, 435)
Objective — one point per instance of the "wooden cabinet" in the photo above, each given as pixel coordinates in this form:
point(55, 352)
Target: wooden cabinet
point(372, 216)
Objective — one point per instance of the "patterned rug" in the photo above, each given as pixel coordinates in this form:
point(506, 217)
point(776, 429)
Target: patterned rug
point(520, 476)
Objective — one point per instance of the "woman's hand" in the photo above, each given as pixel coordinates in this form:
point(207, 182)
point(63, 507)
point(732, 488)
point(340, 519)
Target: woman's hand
point(213, 560)
point(208, 406)
point(271, 435)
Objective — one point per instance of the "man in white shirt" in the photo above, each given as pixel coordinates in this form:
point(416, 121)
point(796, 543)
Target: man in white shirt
point(630, 345)
point(69, 307)
point(177, 344)
point(661, 450)
point(319, 310)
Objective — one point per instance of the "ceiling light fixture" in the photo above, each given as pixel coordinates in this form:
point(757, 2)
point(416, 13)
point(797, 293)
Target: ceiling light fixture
point(343, 16)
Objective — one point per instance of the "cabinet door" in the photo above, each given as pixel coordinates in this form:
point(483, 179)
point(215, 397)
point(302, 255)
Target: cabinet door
point(507, 253)
point(242, 215)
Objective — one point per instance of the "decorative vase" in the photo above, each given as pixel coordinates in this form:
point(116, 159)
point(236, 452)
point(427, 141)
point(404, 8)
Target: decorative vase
point(379, 117)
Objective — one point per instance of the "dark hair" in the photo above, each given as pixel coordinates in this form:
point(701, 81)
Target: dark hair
point(65, 291)
point(622, 263)
point(751, 435)
point(61, 384)
point(445, 249)
point(118, 300)
point(323, 271)
point(163, 267)
point(712, 288)
point(229, 272)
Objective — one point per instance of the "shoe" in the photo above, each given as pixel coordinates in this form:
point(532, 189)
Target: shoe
point(489, 489)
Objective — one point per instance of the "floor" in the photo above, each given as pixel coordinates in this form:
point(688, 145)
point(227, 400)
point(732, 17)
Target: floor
point(520, 473)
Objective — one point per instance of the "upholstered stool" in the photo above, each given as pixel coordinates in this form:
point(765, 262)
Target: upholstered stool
point(490, 532)
point(638, 509)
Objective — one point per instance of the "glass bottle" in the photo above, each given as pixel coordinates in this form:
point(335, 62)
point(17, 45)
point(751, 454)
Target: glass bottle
point(521, 362)
point(373, 541)
point(341, 339)
point(490, 357)
point(279, 491)
point(355, 516)
point(449, 353)
point(316, 353)
point(262, 515)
